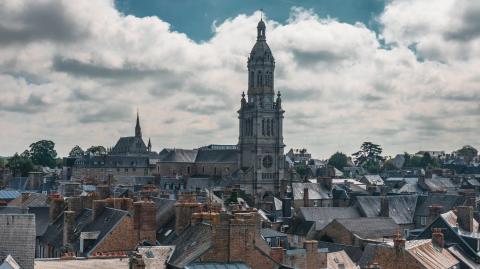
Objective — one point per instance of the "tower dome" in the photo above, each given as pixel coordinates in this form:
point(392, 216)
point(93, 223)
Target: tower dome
point(261, 64)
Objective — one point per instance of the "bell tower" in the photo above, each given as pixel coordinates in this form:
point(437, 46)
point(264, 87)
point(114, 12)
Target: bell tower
point(261, 122)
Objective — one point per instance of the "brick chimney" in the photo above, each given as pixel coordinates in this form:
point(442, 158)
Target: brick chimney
point(465, 218)
point(313, 258)
point(306, 198)
point(437, 238)
point(183, 214)
point(277, 254)
point(56, 208)
point(144, 220)
point(75, 204)
point(433, 212)
point(25, 196)
point(98, 207)
point(398, 241)
point(68, 227)
point(384, 207)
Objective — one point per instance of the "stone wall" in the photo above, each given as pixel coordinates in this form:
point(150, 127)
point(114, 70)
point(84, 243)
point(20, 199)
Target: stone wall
point(17, 238)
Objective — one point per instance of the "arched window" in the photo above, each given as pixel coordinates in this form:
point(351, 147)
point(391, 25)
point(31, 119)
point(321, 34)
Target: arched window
point(259, 79)
point(267, 79)
point(251, 78)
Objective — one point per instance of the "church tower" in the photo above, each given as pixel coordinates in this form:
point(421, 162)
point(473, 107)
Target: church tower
point(261, 123)
point(138, 129)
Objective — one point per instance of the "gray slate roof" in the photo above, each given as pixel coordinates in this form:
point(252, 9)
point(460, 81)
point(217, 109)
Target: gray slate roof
point(447, 201)
point(178, 155)
point(315, 191)
point(370, 228)
point(322, 216)
point(401, 207)
point(267, 232)
point(191, 244)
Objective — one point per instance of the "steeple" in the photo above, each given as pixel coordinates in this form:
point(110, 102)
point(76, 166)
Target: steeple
point(261, 31)
point(138, 129)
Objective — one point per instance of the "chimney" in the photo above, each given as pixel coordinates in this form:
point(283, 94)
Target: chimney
point(311, 250)
point(55, 209)
point(136, 262)
point(183, 214)
point(25, 196)
point(398, 241)
point(144, 220)
point(287, 207)
point(68, 228)
point(421, 180)
point(437, 238)
point(465, 218)
point(384, 207)
point(97, 208)
point(75, 204)
point(306, 199)
point(433, 212)
point(277, 254)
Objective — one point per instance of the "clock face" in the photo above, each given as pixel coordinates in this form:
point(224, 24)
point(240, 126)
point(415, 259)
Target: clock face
point(267, 161)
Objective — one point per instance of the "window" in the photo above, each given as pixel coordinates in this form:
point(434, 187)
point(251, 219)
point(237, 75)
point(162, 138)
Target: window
point(271, 126)
point(188, 169)
point(259, 79)
point(214, 170)
point(263, 126)
point(423, 220)
point(126, 169)
point(252, 76)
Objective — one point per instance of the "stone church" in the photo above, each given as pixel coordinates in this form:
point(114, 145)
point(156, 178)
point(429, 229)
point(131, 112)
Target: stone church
point(260, 117)
point(256, 163)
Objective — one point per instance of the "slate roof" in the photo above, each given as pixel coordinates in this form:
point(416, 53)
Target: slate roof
point(165, 210)
point(447, 201)
point(9, 194)
point(104, 223)
point(11, 210)
point(217, 156)
point(129, 144)
point(315, 191)
point(34, 200)
point(370, 228)
point(191, 244)
point(105, 263)
point(178, 155)
point(373, 179)
point(267, 232)
point(301, 227)
point(322, 216)
point(401, 207)
point(41, 219)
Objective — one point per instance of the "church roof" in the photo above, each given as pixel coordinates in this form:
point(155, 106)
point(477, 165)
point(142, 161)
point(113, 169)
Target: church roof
point(129, 144)
point(178, 155)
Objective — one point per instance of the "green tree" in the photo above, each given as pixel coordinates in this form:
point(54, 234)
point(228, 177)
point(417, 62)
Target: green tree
point(468, 153)
point(20, 165)
point(76, 151)
point(96, 150)
point(369, 157)
point(339, 160)
point(43, 153)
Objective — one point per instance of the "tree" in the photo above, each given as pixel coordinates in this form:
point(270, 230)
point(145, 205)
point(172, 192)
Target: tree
point(339, 160)
point(20, 165)
point(96, 150)
point(369, 157)
point(43, 153)
point(468, 153)
point(76, 151)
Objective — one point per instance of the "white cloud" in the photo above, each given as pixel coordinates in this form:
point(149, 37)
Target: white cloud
point(82, 83)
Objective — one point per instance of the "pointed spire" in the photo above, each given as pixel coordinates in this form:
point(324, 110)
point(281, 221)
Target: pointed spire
point(138, 129)
point(149, 145)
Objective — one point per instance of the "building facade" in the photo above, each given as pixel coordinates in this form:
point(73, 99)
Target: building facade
point(261, 123)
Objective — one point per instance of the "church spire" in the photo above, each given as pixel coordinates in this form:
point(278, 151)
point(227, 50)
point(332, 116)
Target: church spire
point(138, 129)
point(261, 31)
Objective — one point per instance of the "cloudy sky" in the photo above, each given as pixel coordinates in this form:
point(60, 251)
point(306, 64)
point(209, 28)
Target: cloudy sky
point(401, 73)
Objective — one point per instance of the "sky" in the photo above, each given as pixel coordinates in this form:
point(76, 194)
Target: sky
point(400, 73)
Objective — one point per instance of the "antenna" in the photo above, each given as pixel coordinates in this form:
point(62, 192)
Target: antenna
point(261, 14)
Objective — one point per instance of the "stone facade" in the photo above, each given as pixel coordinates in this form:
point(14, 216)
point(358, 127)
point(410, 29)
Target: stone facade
point(17, 238)
point(261, 123)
